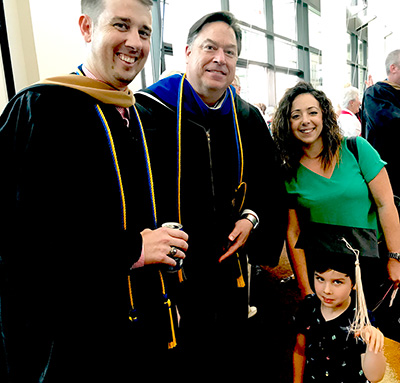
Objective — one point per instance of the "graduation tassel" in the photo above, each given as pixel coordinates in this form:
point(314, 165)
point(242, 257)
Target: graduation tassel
point(132, 311)
point(181, 275)
point(173, 343)
point(240, 279)
point(361, 318)
point(167, 302)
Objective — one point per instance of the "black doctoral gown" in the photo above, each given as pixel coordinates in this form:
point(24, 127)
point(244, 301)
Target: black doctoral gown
point(212, 307)
point(65, 254)
point(381, 121)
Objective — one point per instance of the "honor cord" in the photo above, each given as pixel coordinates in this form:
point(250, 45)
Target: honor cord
point(179, 142)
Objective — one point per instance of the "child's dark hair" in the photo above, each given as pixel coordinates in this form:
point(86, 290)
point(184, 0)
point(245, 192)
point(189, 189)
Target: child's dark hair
point(343, 263)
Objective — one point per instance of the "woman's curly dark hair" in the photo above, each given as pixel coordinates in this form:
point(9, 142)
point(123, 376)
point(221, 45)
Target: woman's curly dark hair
point(290, 148)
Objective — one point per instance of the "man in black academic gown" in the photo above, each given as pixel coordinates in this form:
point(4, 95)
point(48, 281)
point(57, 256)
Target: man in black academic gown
point(216, 174)
point(381, 118)
point(77, 212)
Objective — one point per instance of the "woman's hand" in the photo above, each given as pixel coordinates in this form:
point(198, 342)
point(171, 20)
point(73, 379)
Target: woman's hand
point(393, 267)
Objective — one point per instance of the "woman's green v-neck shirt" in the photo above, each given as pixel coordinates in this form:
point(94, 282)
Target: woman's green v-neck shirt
point(344, 198)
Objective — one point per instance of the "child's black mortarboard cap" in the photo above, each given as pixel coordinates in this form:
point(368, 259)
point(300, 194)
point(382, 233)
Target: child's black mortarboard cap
point(319, 239)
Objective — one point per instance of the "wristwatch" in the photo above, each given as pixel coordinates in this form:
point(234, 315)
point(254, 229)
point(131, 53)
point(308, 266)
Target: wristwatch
point(394, 256)
point(252, 219)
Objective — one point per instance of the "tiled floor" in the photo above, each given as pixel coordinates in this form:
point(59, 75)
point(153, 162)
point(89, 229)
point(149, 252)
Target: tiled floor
point(392, 352)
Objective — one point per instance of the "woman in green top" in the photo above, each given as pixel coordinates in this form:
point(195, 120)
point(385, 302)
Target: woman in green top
point(325, 182)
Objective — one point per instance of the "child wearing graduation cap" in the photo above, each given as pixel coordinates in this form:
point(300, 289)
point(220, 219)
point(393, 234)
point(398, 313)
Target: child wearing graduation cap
point(336, 342)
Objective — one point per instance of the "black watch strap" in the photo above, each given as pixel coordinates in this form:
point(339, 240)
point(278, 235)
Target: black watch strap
point(394, 256)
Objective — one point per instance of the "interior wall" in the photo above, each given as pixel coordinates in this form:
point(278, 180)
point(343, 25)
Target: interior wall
point(22, 45)
point(59, 45)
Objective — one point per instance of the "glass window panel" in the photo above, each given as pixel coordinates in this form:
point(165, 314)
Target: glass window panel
point(286, 54)
point(254, 84)
point(362, 76)
point(285, 18)
point(348, 47)
point(173, 64)
point(177, 22)
point(254, 45)
point(315, 29)
point(175, 25)
point(316, 70)
point(348, 74)
point(252, 12)
point(242, 74)
point(361, 53)
point(283, 82)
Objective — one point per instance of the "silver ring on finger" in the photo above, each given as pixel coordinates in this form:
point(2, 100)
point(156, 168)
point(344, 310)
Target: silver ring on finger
point(173, 251)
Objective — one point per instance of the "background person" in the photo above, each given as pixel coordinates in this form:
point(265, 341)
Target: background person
point(348, 120)
point(381, 117)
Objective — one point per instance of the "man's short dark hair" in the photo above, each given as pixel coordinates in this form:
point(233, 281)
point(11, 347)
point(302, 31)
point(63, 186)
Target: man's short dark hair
point(93, 8)
point(223, 16)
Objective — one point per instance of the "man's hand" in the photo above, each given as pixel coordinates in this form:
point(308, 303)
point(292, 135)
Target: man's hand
point(369, 82)
point(157, 244)
point(238, 237)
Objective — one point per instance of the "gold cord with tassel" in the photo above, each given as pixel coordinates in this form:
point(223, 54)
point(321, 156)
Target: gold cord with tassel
point(167, 302)
point(240, 279)
point(181, 275)
point(361, 318)
point(132, 313)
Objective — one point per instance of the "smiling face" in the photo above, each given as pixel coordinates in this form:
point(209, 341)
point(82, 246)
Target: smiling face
point(306, 119)
point(211, 61)
point(119, 42)
point(333, 289)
